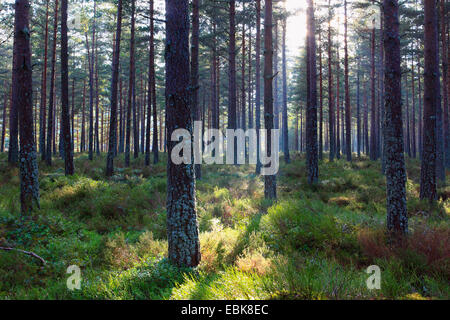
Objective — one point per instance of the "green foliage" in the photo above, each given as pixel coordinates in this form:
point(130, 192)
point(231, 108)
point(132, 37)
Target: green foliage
point(315, 242)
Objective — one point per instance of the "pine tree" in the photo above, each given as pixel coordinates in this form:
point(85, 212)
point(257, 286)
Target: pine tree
point(397, 218)
point(182, 230)
point(114, 82)
point(23, 91)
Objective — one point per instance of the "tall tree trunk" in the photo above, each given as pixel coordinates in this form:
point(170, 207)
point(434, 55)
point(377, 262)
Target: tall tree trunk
point(23, 92)
point(338, 103)
point(97, 98)
point(413, 124)
point(196, 116)
point(311, 108)
point(420, 133)
point(358, 110)
point(285, 96)
point(321, 98)
point(373, 122)
point(445, 84)
point(114, 82)
point(130, 88)
point(232, 114)
point(43, 108)
point(397, 218)
point(258, 85)
point(65, 115)
point(182, 230)
point(366, 119)
point(408, 135)
point(83, 120)
point(270, 182)
point(91, 86)
point(5, 107)
point(121, 116)
point(51, 103)
point(348, 112)
point(243, 93)
point(431, 93)
point(330, 91)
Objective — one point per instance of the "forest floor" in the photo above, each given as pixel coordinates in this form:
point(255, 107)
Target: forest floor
point(314, 243)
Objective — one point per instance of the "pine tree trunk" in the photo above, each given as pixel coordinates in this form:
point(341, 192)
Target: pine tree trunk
point(43, 108)
point(83, 120)
point(413, 124)
point(258, 85)
point(330, 92)
point(270, 182)
point(445, 84)
point(114, 82)
point(348, 115)
point(373, 121)
point(338, 104)
point(431, 101)
point(321, 98)
point(232, 112)
point(285, 96)
point(196, 116)
point(182, 230)
point(23, 91)
point(130, 89)
point(311, 108)
point(358, 110)
point(51, 103)
point(397, 218)
point(65, 115)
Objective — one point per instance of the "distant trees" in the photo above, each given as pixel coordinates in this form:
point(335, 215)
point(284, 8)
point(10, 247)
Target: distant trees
point(182, 230)
point(23, 93)
point(397, 218)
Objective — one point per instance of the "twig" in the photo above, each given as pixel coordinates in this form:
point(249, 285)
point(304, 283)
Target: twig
point(25, 252)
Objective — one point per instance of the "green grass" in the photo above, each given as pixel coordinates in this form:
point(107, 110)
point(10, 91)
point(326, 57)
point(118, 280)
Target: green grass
point(315, 242)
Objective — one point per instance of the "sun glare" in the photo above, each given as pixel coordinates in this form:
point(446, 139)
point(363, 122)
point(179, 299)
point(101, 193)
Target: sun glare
point(296, 27)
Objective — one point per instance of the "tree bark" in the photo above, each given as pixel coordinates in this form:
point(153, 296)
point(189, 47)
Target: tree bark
point(348, 112)
point(65, 114)
point(397, 218)
point(232, 114)
point(114, 82)
point(23, 91)
point(51, 103)
point(43, 108)
point(258, 85)
point(311, 109)
point(130, 88)
point(330, 92)
point(196, 115)
point(270, 182)
point(182, 230)
point(373, 122)
point(285, 94)
point(431, 93)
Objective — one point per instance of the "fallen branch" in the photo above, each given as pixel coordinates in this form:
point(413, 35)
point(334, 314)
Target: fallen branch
point(25, 252)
